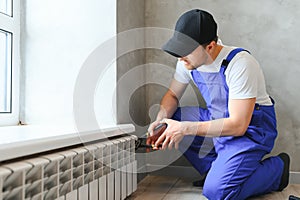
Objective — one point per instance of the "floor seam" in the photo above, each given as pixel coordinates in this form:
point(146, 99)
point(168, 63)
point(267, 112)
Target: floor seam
point(170, 188)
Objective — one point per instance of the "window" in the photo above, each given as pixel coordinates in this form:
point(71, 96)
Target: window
point(5, 71)
point(9, 61)
point(6, 7)
point(54, 47)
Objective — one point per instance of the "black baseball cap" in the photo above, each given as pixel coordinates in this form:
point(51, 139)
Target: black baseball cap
point(193, 28)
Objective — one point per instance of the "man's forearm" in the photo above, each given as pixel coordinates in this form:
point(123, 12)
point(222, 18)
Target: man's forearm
point(168, 106)
point(214, 128)
point(235, 125)
point(170, 100)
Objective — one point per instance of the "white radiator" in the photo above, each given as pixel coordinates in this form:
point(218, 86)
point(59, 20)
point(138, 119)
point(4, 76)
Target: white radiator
point(100, 171)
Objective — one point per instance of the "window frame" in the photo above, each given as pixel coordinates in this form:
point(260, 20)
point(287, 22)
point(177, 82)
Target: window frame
point(12, 25)
point(8, 74)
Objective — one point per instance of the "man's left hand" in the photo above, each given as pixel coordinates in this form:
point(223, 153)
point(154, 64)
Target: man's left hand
point(172, 135)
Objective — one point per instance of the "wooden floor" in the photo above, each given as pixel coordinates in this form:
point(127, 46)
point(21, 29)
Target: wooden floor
point(170, 188)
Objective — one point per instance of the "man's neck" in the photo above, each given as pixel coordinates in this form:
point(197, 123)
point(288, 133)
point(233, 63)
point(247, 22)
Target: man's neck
point(216, 52)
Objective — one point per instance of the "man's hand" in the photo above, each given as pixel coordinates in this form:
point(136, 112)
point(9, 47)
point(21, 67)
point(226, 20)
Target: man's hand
point(172, 135)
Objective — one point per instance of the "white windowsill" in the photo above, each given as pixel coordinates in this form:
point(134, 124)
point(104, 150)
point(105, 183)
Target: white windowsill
point(18, 141)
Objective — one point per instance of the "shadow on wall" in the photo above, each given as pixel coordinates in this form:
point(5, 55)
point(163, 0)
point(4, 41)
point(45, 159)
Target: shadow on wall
point(143, 117)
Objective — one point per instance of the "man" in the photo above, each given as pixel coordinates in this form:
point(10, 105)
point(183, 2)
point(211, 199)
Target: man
point(227, 140)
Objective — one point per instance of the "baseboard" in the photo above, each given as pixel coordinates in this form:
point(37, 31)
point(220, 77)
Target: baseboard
point(294, 177)
point(141, 173)
point(190, 172)
point(176, 171)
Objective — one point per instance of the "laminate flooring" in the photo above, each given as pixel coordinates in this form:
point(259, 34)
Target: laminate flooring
point(172, 188)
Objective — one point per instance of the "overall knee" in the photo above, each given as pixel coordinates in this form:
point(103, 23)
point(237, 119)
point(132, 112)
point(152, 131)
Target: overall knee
point(213, 189)
point(177, 115)
point(185, 144)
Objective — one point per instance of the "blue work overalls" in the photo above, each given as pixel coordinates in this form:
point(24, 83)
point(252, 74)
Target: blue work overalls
point(234, 165)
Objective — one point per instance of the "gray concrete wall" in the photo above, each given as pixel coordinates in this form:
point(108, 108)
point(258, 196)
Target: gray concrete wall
point(131, 105)
point(130, 15)
point(269, 29)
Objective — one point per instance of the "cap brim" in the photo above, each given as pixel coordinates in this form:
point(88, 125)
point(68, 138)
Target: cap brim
point(180, 45)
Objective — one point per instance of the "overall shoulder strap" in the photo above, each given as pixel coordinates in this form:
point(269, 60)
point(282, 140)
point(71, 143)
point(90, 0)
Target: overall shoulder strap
point(226, 61)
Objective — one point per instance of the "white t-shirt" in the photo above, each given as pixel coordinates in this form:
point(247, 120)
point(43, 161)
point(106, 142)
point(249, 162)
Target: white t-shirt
point(244, 76)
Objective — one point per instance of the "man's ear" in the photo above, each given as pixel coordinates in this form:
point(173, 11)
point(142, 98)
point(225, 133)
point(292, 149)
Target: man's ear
point(211, 45)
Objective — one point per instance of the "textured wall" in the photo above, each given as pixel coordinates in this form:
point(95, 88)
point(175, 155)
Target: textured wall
point(130, 15)
point(131, 103)
point(269, 29)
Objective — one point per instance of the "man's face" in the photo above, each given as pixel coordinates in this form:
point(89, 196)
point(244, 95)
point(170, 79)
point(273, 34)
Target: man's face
point(197, 58)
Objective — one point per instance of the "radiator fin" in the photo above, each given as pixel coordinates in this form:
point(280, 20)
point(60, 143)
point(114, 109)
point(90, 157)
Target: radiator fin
point(101, 171)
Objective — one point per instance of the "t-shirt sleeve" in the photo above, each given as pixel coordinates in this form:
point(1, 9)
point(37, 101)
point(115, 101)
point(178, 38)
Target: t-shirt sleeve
point(181, 73)
point(242, 77)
